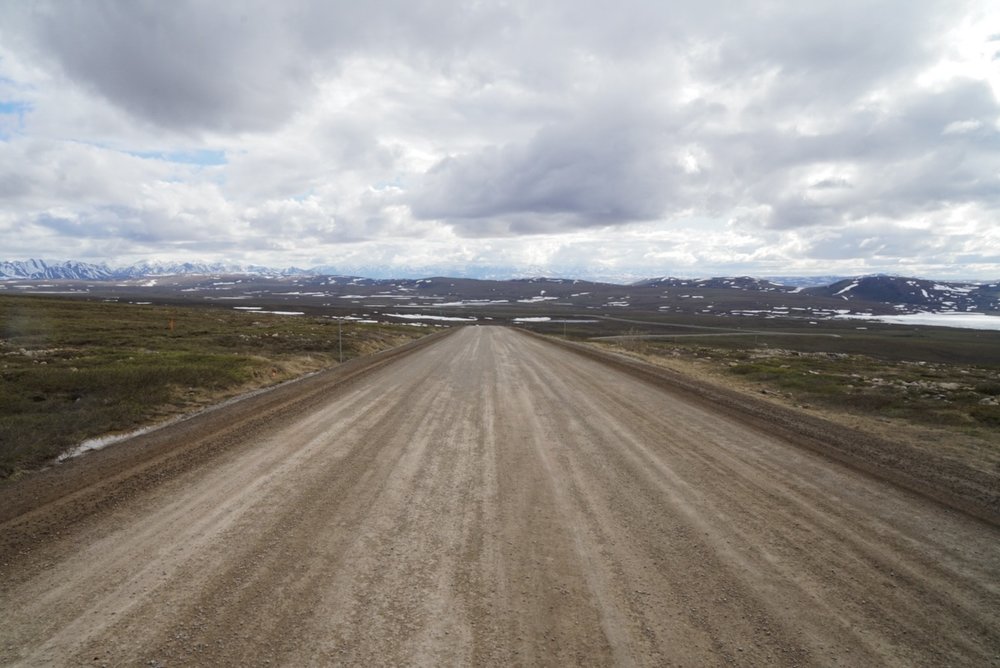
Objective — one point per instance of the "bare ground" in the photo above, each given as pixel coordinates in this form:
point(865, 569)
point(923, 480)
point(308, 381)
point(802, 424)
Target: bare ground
point(487, 498)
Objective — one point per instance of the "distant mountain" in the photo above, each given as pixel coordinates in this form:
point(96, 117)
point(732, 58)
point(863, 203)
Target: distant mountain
point(906, 293)
point(396, 272)
point(41, 270)
point(74, 270)
point(552, 281)
point(719, 283)
point(806, 281)
point(894, 293)
point(147, 269)
point(84, 271)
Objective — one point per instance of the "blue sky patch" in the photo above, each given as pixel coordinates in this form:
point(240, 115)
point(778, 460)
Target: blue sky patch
point(12, 117)
point(13, 107)
point(203, 157)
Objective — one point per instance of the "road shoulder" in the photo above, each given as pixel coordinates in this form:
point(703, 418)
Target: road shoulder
point(948, 481)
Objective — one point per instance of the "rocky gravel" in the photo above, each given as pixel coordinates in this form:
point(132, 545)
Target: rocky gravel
point(488, 498)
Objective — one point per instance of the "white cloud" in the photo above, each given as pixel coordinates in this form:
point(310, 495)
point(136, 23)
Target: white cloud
point(554, 136)
point(962, 127)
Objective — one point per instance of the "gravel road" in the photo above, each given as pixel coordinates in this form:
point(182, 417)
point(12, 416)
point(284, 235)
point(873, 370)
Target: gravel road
point(487, 499)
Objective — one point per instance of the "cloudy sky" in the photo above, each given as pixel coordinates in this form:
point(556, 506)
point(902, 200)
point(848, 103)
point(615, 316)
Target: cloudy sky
point(625, 139)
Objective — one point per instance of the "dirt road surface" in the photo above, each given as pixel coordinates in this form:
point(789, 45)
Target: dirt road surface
point(492, 499)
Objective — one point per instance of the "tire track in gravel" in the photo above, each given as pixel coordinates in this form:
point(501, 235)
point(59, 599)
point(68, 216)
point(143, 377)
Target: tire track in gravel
point(492, 499)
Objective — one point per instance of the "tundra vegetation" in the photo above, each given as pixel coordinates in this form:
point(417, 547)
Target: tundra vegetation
point(71, 370)
point(944, 387)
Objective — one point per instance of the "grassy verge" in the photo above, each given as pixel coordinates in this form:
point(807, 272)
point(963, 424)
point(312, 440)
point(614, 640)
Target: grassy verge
point(72, 370)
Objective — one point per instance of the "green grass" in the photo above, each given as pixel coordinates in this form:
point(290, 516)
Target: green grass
point(72, 370)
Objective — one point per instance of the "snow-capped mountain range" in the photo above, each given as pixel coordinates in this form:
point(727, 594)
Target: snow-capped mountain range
point(75, 270)
point(900, 293)
point(896, 294)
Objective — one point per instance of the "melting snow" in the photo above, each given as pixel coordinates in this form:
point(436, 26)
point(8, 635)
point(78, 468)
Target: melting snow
point(544, 318)
point(105, 441)
point(950, 288)
point(474, 302)
point(417, 316)
point(963, 320)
